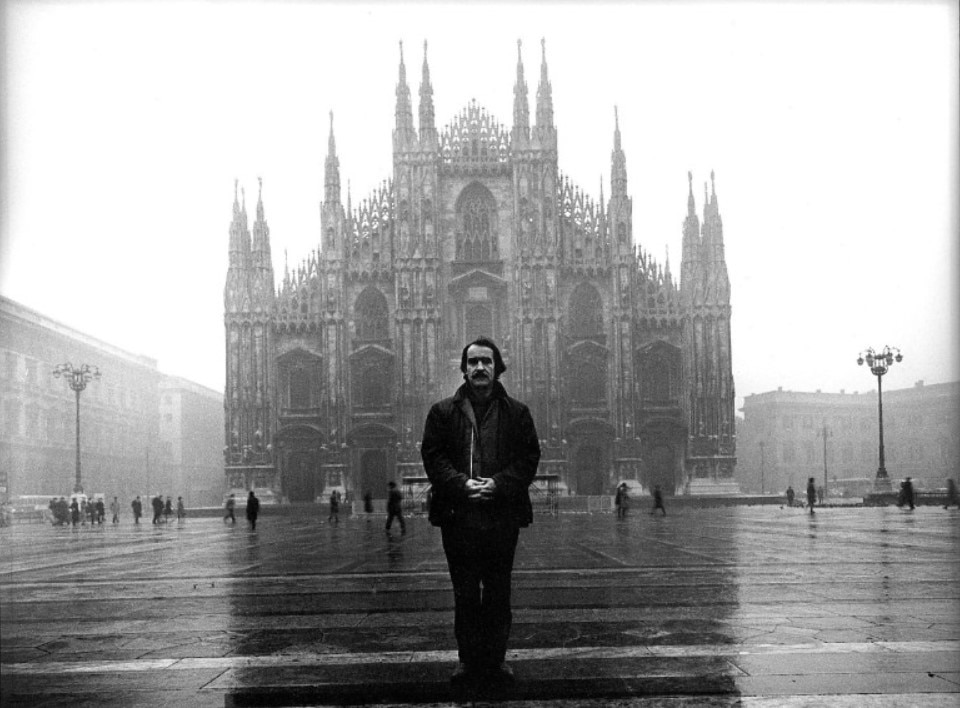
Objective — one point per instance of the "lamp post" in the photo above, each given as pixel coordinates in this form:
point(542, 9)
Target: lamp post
point(762, 445)
point(77, 378)
point(825, 433)
point(879, 364)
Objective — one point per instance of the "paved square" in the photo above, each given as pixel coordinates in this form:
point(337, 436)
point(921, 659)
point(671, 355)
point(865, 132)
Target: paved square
point(722, 606)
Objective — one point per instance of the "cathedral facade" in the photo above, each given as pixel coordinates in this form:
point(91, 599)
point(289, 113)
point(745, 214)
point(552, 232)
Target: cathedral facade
point(330, 373)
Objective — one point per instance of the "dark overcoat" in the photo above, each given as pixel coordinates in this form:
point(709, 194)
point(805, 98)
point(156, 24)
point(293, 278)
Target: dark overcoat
point(446, 453)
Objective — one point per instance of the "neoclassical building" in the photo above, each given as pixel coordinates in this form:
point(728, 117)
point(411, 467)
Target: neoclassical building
point(329, 375)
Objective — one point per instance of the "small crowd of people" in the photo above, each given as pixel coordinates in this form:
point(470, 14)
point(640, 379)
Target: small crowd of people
point(79, 510)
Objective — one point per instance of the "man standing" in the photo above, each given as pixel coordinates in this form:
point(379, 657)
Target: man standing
point(811, 494)
point(115, 510)
point(334, 507)
point(480, 450)
point(395, 507)
point(137, 507)
point(253, 510)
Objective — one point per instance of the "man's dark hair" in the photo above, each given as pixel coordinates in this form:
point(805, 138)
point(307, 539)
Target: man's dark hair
point(498, 366)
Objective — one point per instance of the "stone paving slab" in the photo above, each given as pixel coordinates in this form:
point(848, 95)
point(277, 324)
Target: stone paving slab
point(732, 606)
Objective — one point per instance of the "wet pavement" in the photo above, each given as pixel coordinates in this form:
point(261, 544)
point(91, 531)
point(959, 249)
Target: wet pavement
point(753, 606)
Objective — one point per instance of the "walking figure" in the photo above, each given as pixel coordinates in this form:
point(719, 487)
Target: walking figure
point(167, 510)
point(157, 504)
point(229, 506)
point(395, 507)
point(181, 509)
point(101, 512)
point(137, 507)
point(906, 493)
point(115, 510)
point(622, 500)
point(334, 507)
point(790, 495)
point(952, 498)
point(658, 501)
point(811, 494)
point(367, 503)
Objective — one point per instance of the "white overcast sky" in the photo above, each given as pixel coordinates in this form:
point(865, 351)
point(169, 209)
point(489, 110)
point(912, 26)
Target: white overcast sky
point(832, 128)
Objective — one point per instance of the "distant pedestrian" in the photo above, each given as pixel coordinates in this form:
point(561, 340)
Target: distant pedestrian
point(101, 512)
point(367, 503)
point(811, 494)
point(334, 507)
point(622, 500)
point(137, 507)
point(181, 509)
point(952, 498)
point(395, 507)
point(790, 495)
point(906, 493)
point(74, 511)
point(229, 507)
point(253, 510)
point(157, 504)
point(820, 495)
point(115, 510)
point(91, 511)
point(658, 501)
point(167, 510)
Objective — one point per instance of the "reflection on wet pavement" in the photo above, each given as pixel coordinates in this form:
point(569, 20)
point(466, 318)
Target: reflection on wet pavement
point(733, 606)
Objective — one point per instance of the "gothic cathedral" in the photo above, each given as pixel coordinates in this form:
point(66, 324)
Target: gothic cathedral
point(330, 375)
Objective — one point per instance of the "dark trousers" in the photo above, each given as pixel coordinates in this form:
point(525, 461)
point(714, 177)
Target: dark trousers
point(398, 515)
point(480, 563)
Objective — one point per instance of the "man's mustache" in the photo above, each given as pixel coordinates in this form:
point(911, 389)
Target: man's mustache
point(480, 375)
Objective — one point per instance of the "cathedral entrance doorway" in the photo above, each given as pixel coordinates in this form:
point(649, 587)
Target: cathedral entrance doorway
point(659, 469)
point(373, 474)
point(589, 470)
point(300, 477)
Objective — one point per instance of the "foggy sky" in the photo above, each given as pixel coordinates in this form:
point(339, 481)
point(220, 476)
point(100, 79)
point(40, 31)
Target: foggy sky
point(831, 127)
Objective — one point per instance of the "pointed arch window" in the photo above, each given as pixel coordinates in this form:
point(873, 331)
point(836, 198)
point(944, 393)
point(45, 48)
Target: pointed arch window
point(478, 321)
point(586, 312)
point(300, 388)
point(476, 225)
point(371, 384)
point(588, 386)
point(372, 316)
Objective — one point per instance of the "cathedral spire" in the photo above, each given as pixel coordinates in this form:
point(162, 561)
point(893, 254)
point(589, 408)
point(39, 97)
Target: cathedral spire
point(521, 107)
point(261, 258)
point(236, 248)
point(404, 133)
point(544, 94)
point(618, 162)
point(691, 273)
point(331, 171)
point(428, 128)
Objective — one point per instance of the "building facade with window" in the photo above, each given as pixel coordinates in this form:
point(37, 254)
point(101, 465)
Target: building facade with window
point(118, 413)
point(782, 437)
point(330, 373)
point(191, 428)
point(141, 431)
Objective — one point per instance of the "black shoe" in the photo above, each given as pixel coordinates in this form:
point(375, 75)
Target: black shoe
point(462, 675)
point(502, 675)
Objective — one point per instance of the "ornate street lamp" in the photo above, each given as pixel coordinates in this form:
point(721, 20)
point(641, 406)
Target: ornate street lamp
point(879, 364)
point(77, 378)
